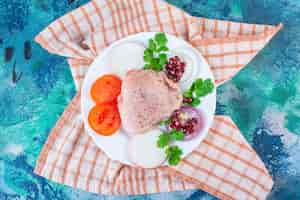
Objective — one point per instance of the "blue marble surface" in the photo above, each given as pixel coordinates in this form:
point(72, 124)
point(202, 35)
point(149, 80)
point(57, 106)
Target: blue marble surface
point(263, 100)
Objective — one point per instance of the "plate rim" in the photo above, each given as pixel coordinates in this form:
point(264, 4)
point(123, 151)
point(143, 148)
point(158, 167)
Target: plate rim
point(88, 129)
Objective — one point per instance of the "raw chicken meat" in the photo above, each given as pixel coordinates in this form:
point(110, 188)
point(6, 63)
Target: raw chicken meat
point(146, 98)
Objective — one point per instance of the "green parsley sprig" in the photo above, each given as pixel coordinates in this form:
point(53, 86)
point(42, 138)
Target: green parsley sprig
point(154, 55)
point(199, 88)
point(173, 152)
point(167, 137)
point(165, 122)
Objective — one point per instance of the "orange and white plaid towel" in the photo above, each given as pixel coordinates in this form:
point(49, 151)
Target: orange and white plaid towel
point(223, 165)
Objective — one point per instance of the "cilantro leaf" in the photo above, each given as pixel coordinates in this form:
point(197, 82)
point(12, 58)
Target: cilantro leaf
point(152, 45)
point(148, 52)
point(155, 64)
point(195, 102)
point(177, 135)
point(198, 89)
point(161, 39)
point(154, 57)
point(202, 88)
point(154, 61)
point(163, 140)
point(163, 59)
point(188, 94)
point(165, 122)
point(163, 48)
point(147, 66)
point(147, 58)
point(157, 67)
point(209, 85)
point(173, 154)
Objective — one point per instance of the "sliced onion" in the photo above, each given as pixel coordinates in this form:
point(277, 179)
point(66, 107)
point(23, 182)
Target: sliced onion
point(191, 71)
point(190, 113)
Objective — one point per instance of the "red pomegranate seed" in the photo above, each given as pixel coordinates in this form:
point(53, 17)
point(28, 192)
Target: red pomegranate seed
point(175, 68)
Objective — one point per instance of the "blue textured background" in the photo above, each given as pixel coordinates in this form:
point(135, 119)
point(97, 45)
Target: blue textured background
point(263, 99)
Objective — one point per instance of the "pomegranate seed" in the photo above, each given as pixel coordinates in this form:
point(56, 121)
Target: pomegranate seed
point(175, 68)
point(187, 100)
point(186, 126)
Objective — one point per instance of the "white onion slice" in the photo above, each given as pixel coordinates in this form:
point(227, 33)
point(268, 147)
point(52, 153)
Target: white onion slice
point(126, 56)
point(191, 71)
point(143, 150)
point(190, 112)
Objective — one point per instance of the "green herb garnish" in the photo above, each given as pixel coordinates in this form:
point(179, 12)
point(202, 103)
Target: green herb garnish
point(199, 88)
point(203, 87)
point(154, 55)
point(163, 140)
point(173, 153)
point(161, 39)
point(165, 122)
point(176, 135)
point(167, 137)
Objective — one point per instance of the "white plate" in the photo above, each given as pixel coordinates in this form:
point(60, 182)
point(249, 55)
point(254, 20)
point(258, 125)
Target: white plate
point(115, 146)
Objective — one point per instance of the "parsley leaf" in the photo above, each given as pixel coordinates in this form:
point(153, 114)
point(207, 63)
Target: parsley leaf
point(164, 48)
point(195, 102)
point(202, 88)
point(154, 55)
point(199, 88)
point(173, 154)
point(163, 140)
point(163, 59)
point(161, 39)
point(147, 66)
point(165, 122)
point(152, 45)
point(177, 135)
point(148, 52)
point(147, 58)
point(188, 94)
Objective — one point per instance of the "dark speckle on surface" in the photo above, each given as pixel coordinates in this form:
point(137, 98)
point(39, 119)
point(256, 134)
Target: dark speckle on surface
point(70, 1)
point(8, 53)
point(15, 75)
point(27, 50)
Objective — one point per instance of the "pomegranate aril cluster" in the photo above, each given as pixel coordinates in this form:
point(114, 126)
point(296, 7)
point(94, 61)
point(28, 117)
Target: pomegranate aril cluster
point(175, 68)
point(175, 120)
point(187, 127)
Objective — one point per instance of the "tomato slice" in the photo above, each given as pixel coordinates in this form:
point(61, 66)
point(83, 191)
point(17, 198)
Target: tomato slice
point(105, 119)
point(106, 89)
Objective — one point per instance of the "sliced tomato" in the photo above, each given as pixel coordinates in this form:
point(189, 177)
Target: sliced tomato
point(106, 89)
point(105, 118)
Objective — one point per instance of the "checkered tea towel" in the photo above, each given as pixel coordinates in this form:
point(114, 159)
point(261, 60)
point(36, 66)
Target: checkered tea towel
point(224, 164)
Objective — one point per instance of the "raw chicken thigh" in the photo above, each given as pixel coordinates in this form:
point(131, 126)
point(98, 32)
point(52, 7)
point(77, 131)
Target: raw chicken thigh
point(146, 98)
